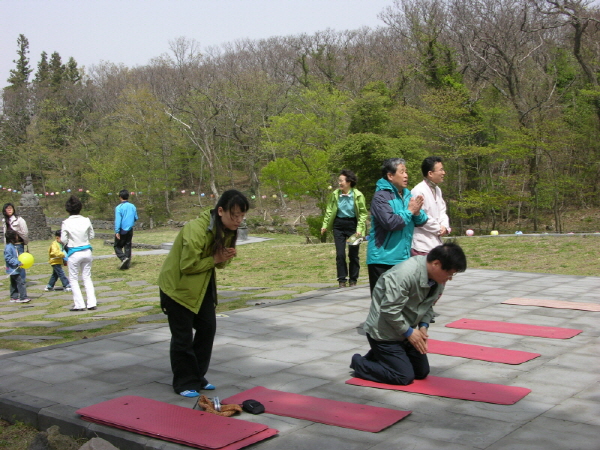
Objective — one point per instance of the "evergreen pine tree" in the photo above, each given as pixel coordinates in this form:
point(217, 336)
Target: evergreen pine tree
point(19, 76)
point(57, 70)
point(71, 72)
point(43, 70)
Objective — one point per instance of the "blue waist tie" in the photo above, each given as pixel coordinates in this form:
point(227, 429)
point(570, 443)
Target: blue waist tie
point(77, 249)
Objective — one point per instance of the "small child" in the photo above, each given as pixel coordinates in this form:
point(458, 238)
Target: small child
point(18, 293)
point(57, 254)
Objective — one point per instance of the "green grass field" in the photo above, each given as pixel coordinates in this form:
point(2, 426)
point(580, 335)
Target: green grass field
point(279, 261)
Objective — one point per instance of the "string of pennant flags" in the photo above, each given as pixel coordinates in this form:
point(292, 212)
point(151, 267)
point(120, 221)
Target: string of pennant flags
point(87, 191)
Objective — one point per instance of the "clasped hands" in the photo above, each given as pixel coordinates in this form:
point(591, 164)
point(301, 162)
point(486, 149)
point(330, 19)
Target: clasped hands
point(418, 339)
point(224, 255)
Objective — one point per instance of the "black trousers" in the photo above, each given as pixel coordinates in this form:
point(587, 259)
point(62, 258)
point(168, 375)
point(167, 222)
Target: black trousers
point(192, 337)
point(391, 362)
point(343, 228)
point(124, 243)
point(375, 271)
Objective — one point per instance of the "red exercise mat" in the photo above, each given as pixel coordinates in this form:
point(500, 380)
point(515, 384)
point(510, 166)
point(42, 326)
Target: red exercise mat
point(453, 388)
point(329, 412)
point(515, 328)
point(174, 423)
point(553, 304)
point(479, 352)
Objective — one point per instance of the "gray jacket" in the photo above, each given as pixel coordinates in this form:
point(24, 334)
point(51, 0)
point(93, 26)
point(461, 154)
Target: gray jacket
point(402, 299)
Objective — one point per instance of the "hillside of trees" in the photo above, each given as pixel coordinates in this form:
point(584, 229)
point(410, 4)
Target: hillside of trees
point(506, 91)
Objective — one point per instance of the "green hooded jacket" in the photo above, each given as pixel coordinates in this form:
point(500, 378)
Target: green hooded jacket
point(360, 210)
point(186, 272)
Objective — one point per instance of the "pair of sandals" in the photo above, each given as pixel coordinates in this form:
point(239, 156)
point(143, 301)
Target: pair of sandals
point(193, 393)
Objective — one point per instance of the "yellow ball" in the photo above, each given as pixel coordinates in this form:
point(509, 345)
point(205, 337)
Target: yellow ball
point(26, 260)
point(494, 233)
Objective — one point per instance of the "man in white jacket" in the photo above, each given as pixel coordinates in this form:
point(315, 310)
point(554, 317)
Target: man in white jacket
point(429, 236)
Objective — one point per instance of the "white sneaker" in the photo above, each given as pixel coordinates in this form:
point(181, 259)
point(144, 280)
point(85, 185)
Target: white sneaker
point(13, 300)
point(47, 289)
point(24, 300)
point(68, 289)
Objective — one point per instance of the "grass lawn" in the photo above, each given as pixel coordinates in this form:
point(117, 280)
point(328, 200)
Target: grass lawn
point(273, 264)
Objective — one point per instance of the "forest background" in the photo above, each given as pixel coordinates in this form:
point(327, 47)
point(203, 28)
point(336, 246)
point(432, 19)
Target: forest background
point(506, 91)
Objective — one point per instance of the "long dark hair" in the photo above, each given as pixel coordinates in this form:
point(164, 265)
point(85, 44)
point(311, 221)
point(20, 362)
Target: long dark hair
point(228, 201)
point(6, 216)
point(11, 237)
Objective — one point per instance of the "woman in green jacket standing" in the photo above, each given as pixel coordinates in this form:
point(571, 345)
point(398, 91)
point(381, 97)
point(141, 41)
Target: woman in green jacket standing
point(347, 213)
point(188, 291)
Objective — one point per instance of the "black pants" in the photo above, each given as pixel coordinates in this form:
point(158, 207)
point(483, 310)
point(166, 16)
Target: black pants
point(375, 271)
point(190, 352)
point(391, 362)
point(343, 228)
point(124, 243)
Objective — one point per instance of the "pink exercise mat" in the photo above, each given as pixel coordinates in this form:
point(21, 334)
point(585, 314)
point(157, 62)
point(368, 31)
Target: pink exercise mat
point(479, 352)
point(174, 423)
point(329, 412)
point(453, 388)
point(515, 328)
point(553, 304)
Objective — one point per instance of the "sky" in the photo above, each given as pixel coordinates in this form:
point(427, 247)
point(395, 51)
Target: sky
point(133, 32)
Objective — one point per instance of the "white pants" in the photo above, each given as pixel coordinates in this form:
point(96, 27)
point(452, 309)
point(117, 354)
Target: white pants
point(82, 262)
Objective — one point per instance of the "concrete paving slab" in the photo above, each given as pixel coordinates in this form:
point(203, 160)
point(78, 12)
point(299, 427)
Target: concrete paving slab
point(150, 287)
point(124, 312)
point(113, 293)
point(313, 285)
point(544, 433)
point(304, 345)
point(277, 293)
point(109, 280)
point(30, 338)
point(33, 323)
point(36, 312)
point(253, 366)
point(478, 432)
point(153, 318)
point(144, 298)
point(78, 313)
point(89, 326)
point(56, 374)
point(101, 300)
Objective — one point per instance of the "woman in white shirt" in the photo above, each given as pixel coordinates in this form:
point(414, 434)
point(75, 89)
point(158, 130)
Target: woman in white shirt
point(77, 232)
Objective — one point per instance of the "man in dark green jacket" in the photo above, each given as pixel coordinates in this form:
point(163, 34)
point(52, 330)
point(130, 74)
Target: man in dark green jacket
point(400, 313)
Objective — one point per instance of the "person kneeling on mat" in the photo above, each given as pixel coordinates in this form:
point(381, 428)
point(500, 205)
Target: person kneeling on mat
point(400, 313)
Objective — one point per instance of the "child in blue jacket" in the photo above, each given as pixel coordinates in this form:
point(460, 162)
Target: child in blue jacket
point(18, 293)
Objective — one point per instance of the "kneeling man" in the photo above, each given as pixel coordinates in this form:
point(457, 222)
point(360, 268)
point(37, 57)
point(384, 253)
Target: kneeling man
point(401, 310)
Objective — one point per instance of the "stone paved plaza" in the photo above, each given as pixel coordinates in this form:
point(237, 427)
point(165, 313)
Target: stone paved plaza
point(305, 345)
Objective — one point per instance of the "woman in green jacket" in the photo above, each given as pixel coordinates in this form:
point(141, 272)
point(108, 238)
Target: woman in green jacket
point(347, 213)
point(188, 291)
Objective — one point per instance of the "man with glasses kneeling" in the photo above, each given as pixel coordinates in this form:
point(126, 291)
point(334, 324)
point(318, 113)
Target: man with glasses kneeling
point(400, 314)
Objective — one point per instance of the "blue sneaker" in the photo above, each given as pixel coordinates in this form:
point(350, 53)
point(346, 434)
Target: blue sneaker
point(190, 393)
point(209, 387)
